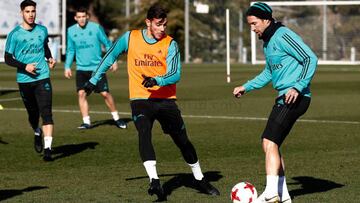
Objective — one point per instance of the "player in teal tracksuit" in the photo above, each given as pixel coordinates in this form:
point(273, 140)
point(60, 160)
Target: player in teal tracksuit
point(84, 41)
point(26, 49)
point(290, 66)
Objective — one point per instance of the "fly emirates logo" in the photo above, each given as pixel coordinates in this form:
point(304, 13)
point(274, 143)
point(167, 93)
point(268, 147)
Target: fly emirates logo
point(148, 60)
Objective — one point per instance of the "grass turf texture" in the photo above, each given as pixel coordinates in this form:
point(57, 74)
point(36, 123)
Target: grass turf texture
point(103, 164)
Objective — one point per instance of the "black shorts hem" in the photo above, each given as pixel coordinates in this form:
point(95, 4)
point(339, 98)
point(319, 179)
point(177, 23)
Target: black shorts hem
point(282, 118)
point(82, 77)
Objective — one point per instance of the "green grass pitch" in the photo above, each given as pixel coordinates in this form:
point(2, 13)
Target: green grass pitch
point(103, 164)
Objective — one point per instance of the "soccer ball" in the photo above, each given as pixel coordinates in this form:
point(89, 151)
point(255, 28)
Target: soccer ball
point(243, 192)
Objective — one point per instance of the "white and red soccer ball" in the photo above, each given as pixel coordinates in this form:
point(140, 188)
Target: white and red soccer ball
point(243, 192)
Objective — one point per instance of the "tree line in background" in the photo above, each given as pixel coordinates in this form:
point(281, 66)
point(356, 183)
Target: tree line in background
point(207, 31)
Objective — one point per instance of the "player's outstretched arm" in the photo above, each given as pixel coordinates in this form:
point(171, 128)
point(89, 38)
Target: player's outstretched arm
point(89, 88)
point(239, 91)
point(118, 48)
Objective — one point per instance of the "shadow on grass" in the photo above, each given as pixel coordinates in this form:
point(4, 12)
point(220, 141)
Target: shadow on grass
point(7, 91)
point(108, 122)
point(71, 149)
point(183, 179)
point(6, 194)
point(187, 180)
point(311, 185)
point(2, 142)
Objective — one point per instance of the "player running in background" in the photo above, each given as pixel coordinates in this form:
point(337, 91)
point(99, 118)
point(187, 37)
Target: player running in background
point(290, 66)
point(154, 68)
point(84, 41)
point(26, 49)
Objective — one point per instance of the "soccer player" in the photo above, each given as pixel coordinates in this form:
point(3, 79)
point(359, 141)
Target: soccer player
point(26, 49)
point(290, 66)
point(84, 41)
point(154, 68)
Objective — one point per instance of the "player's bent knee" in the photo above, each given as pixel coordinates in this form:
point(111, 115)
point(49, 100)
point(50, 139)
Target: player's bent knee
point(269, 145)
point(105, 94)
point(47, 118)
point(48, 122)
point(81, 93)
point(180, 138)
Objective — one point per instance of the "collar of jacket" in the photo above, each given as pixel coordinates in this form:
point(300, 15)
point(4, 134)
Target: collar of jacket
point(270, 30)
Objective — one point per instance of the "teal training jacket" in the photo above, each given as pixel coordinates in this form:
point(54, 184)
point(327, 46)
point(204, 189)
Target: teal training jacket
point(290, 63)
point(27, 46)
point(85, 45)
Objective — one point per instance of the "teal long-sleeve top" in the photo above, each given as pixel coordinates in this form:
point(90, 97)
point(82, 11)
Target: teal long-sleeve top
point(290, 63)
point(85, 45)
point(173, 65)
point(27, 47)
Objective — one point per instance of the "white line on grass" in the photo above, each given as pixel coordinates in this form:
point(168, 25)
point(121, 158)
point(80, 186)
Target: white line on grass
point(10, 99)
point(204, 116)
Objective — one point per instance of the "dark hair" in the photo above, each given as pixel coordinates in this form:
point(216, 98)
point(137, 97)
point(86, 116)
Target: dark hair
point(156, 11)
point(81, 10)
point(26, 3)
point(260, 10)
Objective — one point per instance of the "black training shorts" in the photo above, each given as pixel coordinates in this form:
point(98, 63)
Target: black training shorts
point(145, 112)
point(83, 77)
point(283, 117)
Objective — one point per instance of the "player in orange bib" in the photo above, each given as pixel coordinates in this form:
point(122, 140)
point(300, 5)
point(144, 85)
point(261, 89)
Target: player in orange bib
point(154, 68)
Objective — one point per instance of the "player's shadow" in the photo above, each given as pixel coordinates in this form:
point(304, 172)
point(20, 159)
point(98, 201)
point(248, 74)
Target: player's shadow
point(2, 142)
point(96, 124)
point(71, 149)
point(187, 180)
point(183, 180)
point(311, 185)
point(7, 194)
point(7, 91)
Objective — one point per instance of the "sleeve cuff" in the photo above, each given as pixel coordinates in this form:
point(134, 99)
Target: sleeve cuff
point(298, 88)
point(247, 87)
point(93, 81)
point(158, 81)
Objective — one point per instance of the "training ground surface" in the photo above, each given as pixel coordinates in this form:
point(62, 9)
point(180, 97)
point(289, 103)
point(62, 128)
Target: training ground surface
point(103, 164)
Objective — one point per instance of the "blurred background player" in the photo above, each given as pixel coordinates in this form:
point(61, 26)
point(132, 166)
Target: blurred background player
point(84, 41)
point(154, 68)
point(290, 66)
point(26, 49)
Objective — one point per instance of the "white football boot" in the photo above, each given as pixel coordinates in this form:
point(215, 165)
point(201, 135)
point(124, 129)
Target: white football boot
point(272, 199)
point(285, 199)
